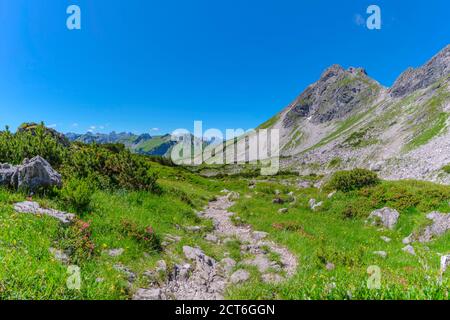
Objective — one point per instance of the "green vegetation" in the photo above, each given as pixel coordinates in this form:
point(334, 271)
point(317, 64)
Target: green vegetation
point(337, 233)
point(269, 123)
point(137, 203)
point(446, 169)
point(334, 163)
point(429, 133)
point(351, 180)
point(429, 120)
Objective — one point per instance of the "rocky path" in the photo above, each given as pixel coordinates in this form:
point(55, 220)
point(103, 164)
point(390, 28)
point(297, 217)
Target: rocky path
point(203, 278)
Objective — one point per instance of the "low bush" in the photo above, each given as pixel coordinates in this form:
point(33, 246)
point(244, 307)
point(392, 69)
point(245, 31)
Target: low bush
point(76, 194)
point(352, 180)
point(76, 240)
point(146, 235)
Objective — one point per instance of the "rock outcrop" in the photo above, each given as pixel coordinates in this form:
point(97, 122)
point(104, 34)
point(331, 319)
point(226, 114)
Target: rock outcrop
point(415, 79)
point(30, 175)
point(30, 207)
point(337, 93)
point(440, 225)
point(387, 217)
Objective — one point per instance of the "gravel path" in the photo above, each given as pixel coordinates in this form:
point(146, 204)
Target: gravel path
point(203, 278)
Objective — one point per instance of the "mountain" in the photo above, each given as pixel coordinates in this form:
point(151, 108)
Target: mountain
point(142, 144)
point(347, 120)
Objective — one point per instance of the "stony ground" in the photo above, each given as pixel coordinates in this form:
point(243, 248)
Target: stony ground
point(201, 277)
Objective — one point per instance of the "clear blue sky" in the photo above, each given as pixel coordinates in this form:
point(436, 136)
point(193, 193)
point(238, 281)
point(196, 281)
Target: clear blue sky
point(138, 65)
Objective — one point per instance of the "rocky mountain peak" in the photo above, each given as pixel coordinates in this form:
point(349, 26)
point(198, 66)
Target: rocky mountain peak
point(337, 93)
point(414, 79)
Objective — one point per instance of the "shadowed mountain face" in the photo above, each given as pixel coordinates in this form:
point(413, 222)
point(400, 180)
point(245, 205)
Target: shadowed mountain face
point(142, 144)
point(347, 120)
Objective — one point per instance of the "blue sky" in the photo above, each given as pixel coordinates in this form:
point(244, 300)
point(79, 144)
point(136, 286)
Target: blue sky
point(141, 65)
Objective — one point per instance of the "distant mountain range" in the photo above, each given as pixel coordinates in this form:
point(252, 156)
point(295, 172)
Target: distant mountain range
point(141, 144)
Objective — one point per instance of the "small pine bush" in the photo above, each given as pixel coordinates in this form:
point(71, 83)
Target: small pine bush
point(352, 180)
point(76, 194)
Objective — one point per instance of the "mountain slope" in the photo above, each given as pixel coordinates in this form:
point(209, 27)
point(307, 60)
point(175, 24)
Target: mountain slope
point(349, 120)
point(142, 144)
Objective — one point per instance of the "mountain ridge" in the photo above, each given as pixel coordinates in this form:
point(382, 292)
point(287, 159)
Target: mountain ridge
point(346, 115)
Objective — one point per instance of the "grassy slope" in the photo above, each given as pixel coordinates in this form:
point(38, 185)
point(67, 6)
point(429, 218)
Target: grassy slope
point(317, 237)
point(30, 272)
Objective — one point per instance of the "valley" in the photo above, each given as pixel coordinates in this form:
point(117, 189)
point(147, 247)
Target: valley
point(358, 210)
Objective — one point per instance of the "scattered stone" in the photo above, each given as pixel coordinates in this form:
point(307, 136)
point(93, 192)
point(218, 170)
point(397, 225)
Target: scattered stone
point(99, 280)
point(205, 279)
point(385, 239)
point(30, 207)
point(304, 184)
point(228, 264)
point(278, 201)
point(211, 238)
point(161, 266)
point(225, 191)
point(192, 253)
point(116, 252)
point(59, 255)
point(382, 254)
point(283, 210)
point(408, 239)
point(233, 196)
point(314, 205)
point(239, 276)
point(260, 261)
point(125, 270)
point(277, 192)
point(441, 224)
point(377, 167)
point(193, 228)
point(330, 266)
point(330, 195)
point(272, 278)
point(387, 216)
point(409, 249)
point(445, 263)
point(259, 235)
point(31, 175)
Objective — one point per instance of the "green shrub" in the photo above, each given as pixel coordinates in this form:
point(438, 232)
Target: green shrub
point(76, 240)
point(352, 180)
point(446, 169)
point(76, 194)
point(28, 143)
point(146, 236)
point(110, 166)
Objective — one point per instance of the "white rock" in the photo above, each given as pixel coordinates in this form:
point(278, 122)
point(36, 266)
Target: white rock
point(239, 276)
point(385, 239)
point(34, 208)
point(116, 252)
point(387, 216)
